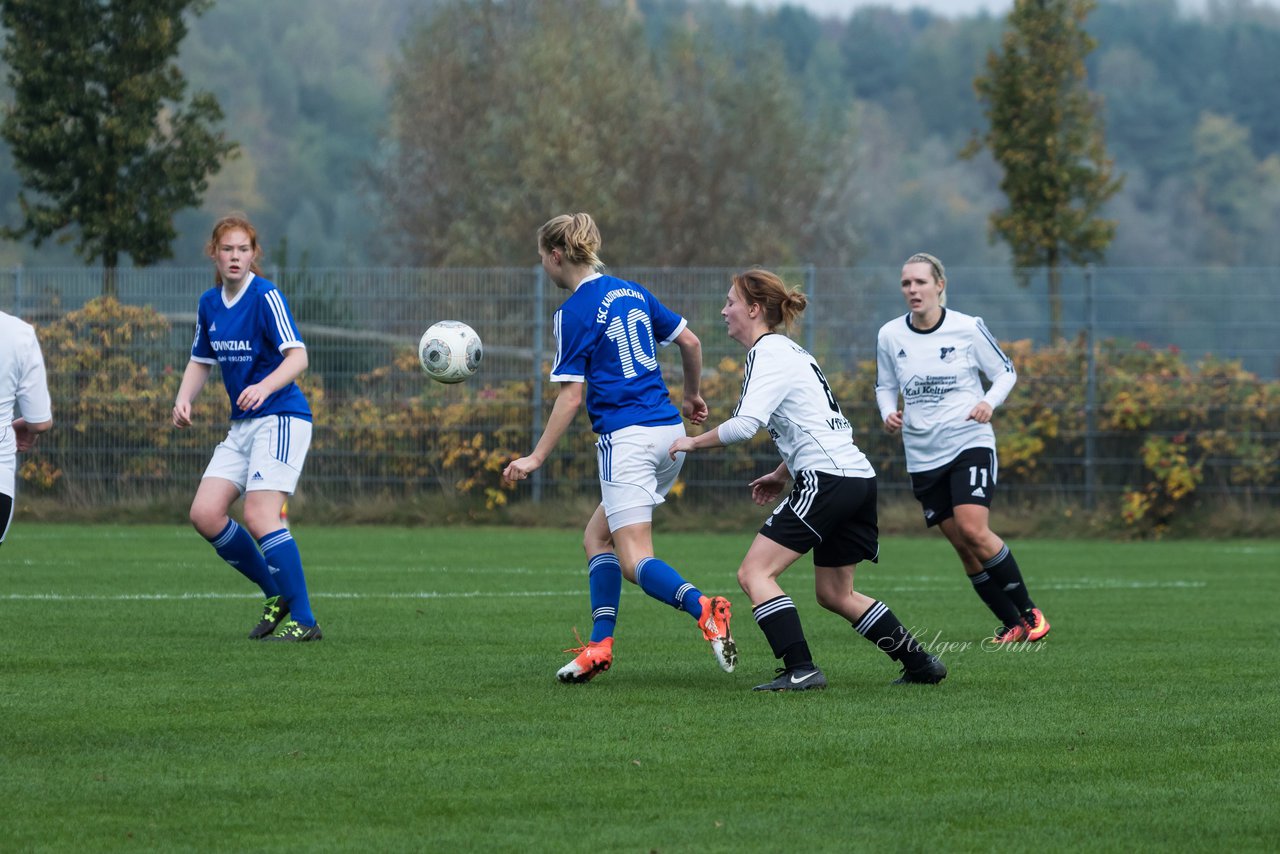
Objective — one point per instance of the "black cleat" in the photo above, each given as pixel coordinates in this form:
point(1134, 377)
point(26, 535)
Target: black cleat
point(295, 632)
point(273, 613)
point(803, 678)
point(931, 672)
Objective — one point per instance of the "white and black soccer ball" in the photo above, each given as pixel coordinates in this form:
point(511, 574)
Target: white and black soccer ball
point(450, 351)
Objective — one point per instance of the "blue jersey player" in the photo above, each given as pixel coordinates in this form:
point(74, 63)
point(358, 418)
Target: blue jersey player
point(243, 325)
point(607, 333)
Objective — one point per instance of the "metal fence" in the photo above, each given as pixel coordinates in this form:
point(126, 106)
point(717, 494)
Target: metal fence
point(383, 429)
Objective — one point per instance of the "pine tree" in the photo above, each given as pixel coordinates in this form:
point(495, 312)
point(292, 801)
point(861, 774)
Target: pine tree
point(1046, 134)
point(106, 150)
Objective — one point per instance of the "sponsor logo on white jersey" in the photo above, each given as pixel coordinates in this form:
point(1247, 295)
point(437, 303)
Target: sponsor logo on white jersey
point(930, 388)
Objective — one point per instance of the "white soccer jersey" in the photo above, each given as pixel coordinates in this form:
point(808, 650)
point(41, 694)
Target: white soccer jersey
point(784, 388)
point(22, 378)
point(936, 371)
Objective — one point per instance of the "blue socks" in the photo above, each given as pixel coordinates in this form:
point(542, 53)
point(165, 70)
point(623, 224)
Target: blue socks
point(663, 583)
point(604, 577)
point(237, 547)
point(285, 562)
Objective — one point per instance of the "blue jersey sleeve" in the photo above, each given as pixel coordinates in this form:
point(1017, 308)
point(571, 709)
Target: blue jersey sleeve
point(574, 342)
point(667, 325)
point(201, 349)
point(278, 321)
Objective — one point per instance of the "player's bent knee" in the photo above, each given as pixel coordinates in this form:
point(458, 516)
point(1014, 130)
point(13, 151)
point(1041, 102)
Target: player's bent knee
point(208, 522)
point(749, 578)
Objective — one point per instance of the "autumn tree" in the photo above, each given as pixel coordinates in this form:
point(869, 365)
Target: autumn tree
point(507, 113)
point(1046, 134)
point(99, 132)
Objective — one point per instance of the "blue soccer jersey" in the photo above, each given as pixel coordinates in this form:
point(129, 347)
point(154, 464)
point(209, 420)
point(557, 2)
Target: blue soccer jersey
point(247, 338)
point(607, 335)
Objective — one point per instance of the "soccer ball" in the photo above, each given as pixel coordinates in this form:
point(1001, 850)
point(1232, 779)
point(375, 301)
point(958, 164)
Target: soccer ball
point(450, 351)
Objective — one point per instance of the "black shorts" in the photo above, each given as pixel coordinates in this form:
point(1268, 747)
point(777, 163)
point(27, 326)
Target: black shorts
point(833, 516)
point(968, 479)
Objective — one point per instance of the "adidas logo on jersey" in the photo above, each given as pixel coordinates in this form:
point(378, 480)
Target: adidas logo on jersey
point(902, 354)
point(272, 569)
point(213, 327)
point(257, 475)
point(979, 493)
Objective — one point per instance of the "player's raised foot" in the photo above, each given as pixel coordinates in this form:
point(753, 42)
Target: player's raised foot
point(931, 672)
point(1037, 625)
point(295, 632)
point(714, 623)
point(1011, 634)
point(273, 613)
point(592, 659)
point(807, 678)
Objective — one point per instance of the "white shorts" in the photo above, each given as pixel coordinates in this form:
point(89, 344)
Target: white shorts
point(635, 471)
point(263, 453)
point(8, 470)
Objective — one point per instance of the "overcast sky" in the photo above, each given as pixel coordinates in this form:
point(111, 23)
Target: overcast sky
point(942, 7)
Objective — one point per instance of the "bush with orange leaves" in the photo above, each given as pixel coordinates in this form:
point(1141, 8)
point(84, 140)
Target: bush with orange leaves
point(1167, 430)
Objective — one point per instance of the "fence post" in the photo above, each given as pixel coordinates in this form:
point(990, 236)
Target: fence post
point(17, 291)
point(535, 372)
point(810, 285)
point(1090, 392)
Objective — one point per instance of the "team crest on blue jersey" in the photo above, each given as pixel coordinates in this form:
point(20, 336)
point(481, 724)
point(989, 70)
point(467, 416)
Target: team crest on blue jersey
point(948, 354)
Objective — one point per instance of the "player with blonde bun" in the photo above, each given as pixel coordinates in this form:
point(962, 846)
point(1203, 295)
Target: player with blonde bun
point(607, 336)
point(932, 358)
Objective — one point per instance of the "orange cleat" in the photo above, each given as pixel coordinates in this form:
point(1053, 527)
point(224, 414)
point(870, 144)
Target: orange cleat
point(1038, 626)
point(592, 659)
point(714, 623)
point(1011, 634)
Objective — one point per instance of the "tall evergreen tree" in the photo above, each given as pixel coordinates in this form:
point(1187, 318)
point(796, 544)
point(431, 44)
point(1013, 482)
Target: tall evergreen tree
point(1045, 132)
point(97, 127)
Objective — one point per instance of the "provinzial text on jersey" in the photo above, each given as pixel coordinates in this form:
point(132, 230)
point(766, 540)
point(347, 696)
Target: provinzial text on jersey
point(602, 313)
point(230, 345)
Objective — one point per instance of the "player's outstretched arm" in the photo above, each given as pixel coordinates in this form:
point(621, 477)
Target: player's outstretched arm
point(695, 408)
point(562, 414)
point(253, 396)
point(766, 488)
point(193, 379)
point(27, 432)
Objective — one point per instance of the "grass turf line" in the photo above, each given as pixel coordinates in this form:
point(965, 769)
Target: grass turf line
point(1144, 721)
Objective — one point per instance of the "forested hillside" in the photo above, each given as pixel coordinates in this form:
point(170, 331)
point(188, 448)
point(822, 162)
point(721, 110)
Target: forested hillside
point(879, 103)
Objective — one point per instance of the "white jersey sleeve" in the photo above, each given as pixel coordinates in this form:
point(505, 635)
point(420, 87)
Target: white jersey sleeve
point(23, 386)
point(784, 388)
point(992, 361)
point(886, 376)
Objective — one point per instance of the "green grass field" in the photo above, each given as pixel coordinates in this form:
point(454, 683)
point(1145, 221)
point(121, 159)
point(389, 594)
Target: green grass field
point(134, 715)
